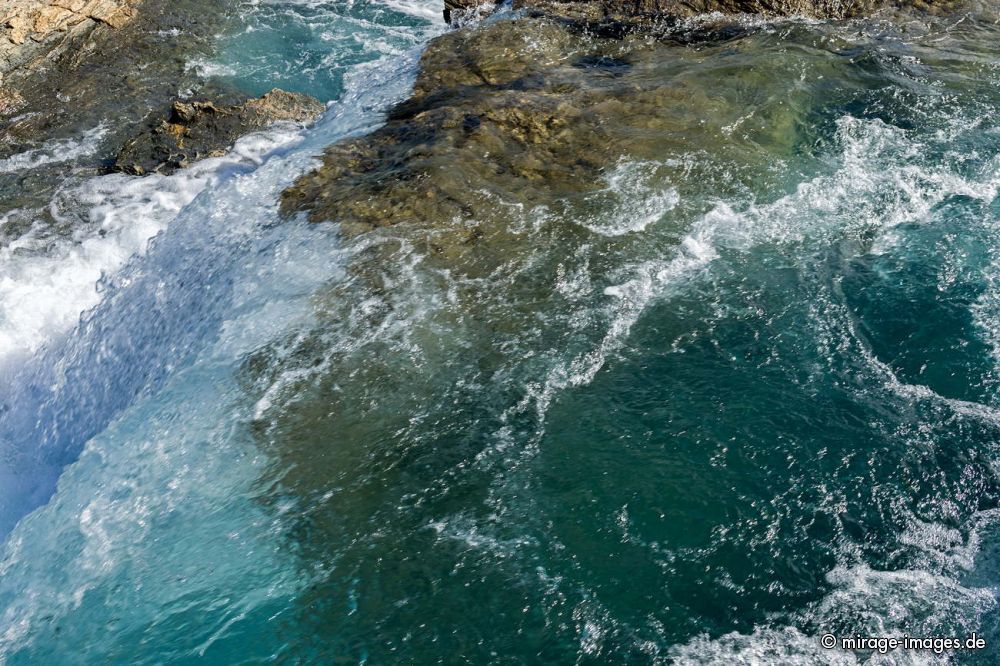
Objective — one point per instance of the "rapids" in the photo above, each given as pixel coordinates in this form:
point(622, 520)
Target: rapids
point(742, 394)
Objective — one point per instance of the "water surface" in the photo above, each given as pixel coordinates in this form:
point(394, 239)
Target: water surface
point(744, 395)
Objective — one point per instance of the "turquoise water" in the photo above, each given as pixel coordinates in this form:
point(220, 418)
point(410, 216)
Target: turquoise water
point(309, 46)
point(752, 399)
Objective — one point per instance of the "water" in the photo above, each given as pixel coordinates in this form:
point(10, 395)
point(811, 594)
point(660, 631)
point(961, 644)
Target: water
point(320, 42)
point(746, 398)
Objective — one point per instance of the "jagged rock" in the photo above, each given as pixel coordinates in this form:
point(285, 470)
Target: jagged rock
point(67, 66)
point(29, 29)
point(10, 101)
point(97, 81)
point(199, 129)
point(33, 32)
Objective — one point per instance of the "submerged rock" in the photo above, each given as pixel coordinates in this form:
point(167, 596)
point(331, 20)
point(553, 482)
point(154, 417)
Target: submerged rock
point(534, 114)
point(534, 111)
point(199, 129)
point(477, 305)
point(33, 33)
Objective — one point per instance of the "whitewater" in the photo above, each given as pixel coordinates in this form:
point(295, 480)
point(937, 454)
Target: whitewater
point(199, 255)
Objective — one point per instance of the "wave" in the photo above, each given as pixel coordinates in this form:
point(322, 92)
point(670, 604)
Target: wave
point(55, 151)
point(46, 284)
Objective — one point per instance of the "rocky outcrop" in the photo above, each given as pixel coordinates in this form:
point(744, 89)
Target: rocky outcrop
point(69, 65)
point(32, 31)
point(76, 74)
point(531, 113)
point(199, 129)
point(640, 13)
point(491, 108)
point(535, 110)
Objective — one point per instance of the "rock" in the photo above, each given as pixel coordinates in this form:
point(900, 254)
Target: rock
point(534, 114)
point(99, 73)
point(638, 14)
point(31, 29)
point(67, 66)
point(281, 105)
point(10, 101)
point(536, 111)
point(457, 10)
point(199, 129)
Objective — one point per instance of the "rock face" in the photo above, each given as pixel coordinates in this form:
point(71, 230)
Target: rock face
point(75, 74)
point(103, 64)
point(69, 65)
point(30, 30)
point(199, 129)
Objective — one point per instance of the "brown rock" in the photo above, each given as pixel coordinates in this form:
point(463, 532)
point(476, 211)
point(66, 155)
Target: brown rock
point(10, 101)
point(199, 129)
point(50, 19)
point(281, 105)
point(31, 29)
point(640, 13)
point(530, 108)
point(534, 114)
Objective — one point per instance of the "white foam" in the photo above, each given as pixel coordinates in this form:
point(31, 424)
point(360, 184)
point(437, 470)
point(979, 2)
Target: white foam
point(209, 68)
point(169, 483)
point(913, 602)
point(55, 151)
point(765, 645)
point(986, 309)
point(849, 202)
point(631, 202)
point(45, 286)
point(429, 10)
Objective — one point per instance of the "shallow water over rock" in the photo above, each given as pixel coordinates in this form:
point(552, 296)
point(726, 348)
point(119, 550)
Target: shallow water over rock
point(651, 349)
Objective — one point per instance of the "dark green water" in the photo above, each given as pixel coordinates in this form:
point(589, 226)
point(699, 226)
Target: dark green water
point(748, 397)
point(764, 415)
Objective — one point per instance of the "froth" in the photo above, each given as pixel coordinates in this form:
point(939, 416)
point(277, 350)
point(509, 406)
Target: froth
point(55, 151)
point(45, 286)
